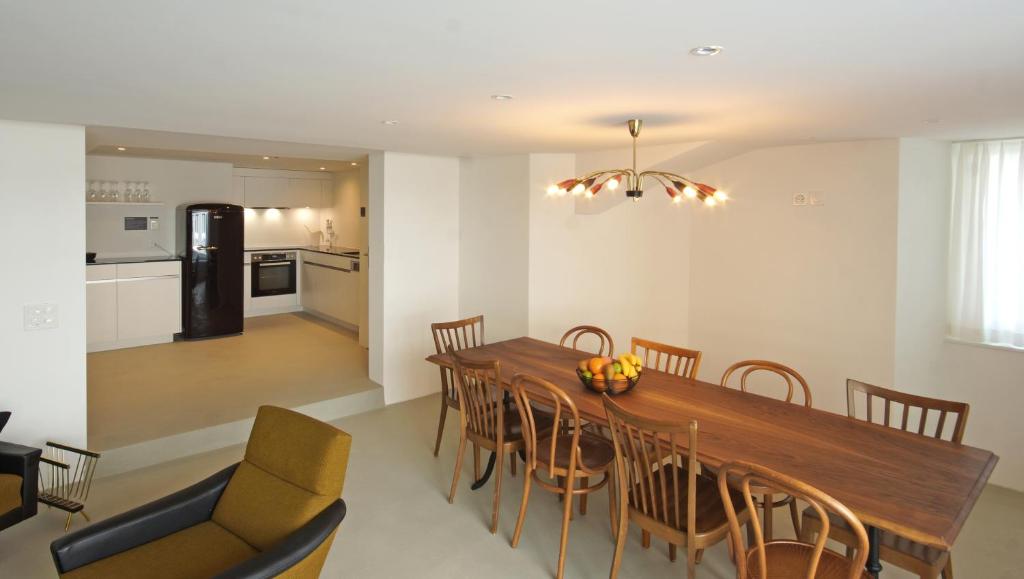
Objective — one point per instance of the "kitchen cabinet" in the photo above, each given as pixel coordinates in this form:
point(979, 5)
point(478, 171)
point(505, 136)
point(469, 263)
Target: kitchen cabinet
point(304, 192)
point(148, 306)
point(101, 304)
point(132, 304)
point(282, 191)
point(330, 288)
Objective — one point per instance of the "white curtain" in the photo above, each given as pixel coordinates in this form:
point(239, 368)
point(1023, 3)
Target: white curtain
point(986, 256)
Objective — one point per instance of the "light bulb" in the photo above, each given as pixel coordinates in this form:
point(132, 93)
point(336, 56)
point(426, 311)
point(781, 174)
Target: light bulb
point(710, 201)
point(589, 194)
point(612, 184)
point(677, 199)
point(689, 192)
point(553, 189)
point(578, 189)
point(721, 196)
point(562, 192)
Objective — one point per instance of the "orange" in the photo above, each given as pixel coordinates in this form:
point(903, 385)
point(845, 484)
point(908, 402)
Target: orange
point(620, 377)
point(595, 365)
point(599, 376)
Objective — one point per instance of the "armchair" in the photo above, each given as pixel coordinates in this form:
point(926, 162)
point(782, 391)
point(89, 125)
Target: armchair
point(274, 514)
point(19, 467)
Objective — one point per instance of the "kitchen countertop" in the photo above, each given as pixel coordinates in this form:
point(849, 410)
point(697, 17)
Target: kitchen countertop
point(350, 252)
point(142, 259)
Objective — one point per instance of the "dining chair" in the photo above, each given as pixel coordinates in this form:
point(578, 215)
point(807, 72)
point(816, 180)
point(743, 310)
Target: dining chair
point(661, 487)
point(665, 358)
point(791, 378)
point(65, 479)
point(787, 558)
point(486, 419)
point(457, 335)
point(605, 346)
point(564, 455)
point(920, 415)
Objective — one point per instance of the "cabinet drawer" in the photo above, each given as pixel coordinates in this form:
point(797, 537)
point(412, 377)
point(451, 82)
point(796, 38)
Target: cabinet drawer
point(335, 261)
point(100, 272)
point(151, 269)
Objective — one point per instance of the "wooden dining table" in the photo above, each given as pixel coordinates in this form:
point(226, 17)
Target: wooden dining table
point(914, 486)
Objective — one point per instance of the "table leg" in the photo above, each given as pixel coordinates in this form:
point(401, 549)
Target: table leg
point(487, 472)
point(874, 567)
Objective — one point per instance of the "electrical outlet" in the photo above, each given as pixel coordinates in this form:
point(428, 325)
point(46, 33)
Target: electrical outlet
point(799, 199)
point(40, 316)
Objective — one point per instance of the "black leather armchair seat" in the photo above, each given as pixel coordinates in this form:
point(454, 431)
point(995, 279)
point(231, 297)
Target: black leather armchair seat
point(19, 468)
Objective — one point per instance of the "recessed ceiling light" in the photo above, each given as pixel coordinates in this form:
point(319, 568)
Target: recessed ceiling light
point(501, 97)
point(121, 149)
point(390, 123)
point(266, 158)
point(323, 168)
point(709, 50)
point(354, 164)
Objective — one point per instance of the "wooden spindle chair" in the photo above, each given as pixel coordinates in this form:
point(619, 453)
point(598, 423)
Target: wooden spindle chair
point(791, 378)
point(794, 559)
point(65, 479)
point(563, 456)
point(457, 335)
point(665, 358)
point(661, 487)
point(605, 346)
point(923, 416)
point(485, 419)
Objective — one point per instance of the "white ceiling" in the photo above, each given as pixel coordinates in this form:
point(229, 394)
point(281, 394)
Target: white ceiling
point(328, 72)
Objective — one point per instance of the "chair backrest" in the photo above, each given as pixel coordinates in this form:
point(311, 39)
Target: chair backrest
point(647, 453)
point(65, 473)
point(294, 468)
point(605, 346)
point(480, 394)
point(672, 359)
point(457, 335)
point(754, 562)
point(764, 366)
point(909, 412)
point(4, 417)
point(530, 391)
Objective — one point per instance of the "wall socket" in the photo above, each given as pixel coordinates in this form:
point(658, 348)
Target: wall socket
point(40, 316)
point(811, 198)
point(800, 199)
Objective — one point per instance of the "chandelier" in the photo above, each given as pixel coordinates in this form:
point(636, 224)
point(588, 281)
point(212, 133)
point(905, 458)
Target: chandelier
point(678, 187)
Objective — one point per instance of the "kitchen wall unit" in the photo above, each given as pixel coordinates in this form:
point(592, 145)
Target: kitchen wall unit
point(283, 189)
point(132, 304)
point(329, 287)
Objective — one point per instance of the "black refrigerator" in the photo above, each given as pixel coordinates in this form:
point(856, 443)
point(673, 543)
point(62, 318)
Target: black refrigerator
point(210, 241)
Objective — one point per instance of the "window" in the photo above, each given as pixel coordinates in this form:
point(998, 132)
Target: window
point(986, 261)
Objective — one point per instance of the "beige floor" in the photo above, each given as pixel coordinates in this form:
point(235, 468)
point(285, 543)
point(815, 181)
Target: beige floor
point(140, 394)
point(399, 523)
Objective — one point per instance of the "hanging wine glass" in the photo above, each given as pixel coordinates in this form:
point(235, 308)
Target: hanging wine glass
point(115, 187)
point(92, 194)
point(104, 191)
point(145, 191)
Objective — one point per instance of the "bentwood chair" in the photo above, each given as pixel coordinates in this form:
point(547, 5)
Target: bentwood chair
point(605, 346)
point(457, 335)
point(791, 378)
point(661, 487)
point(787, 558)
point(274, 514)
point(665, 358)
point(924, 416)
point(563, 455)
point(65, 479)
point(487, 419)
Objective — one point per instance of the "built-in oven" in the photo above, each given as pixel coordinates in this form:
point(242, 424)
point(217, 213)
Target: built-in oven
point(273, 274)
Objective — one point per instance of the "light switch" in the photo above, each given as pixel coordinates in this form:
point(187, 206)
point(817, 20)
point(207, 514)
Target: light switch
point(154, 223)
point(41, 316)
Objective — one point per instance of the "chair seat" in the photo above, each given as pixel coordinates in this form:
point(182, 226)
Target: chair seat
point(10, 492)
point(788, 559)
point(514, 423)
point(888, 542)
point(203, 550)
point(597, 453)
point(711, 514)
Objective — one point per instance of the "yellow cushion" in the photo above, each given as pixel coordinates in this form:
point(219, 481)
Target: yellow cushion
point(204, 550)
point(10, 492)
point(294, 468)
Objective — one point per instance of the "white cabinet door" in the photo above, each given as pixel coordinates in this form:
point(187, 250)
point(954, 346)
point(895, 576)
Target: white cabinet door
point(266, 191)
point(246, 288)
point(148, 307)
point(100, 311)
point(347, 295)
point(307, 295)
point(303, 193)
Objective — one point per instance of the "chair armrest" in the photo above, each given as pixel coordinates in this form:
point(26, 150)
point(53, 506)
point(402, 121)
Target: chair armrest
point(24, 462)
point(141, 525)
point(289, 551)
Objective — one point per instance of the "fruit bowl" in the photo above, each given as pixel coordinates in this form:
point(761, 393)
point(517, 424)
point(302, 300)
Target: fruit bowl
point(612, 387)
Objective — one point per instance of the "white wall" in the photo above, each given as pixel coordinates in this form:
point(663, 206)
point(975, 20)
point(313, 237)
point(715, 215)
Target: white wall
point(172, 182)
point(988, 379)
point(810, 287)
point(349, 193)
point(494, 222)
point(625, 270)
point(414, 269)
point(281, 227)
point(42, 225)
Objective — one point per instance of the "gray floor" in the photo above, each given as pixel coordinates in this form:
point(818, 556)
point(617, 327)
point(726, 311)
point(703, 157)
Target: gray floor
point(400, 525)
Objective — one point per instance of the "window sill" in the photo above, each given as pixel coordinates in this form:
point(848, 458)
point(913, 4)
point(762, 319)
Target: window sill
point(1005, 347)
